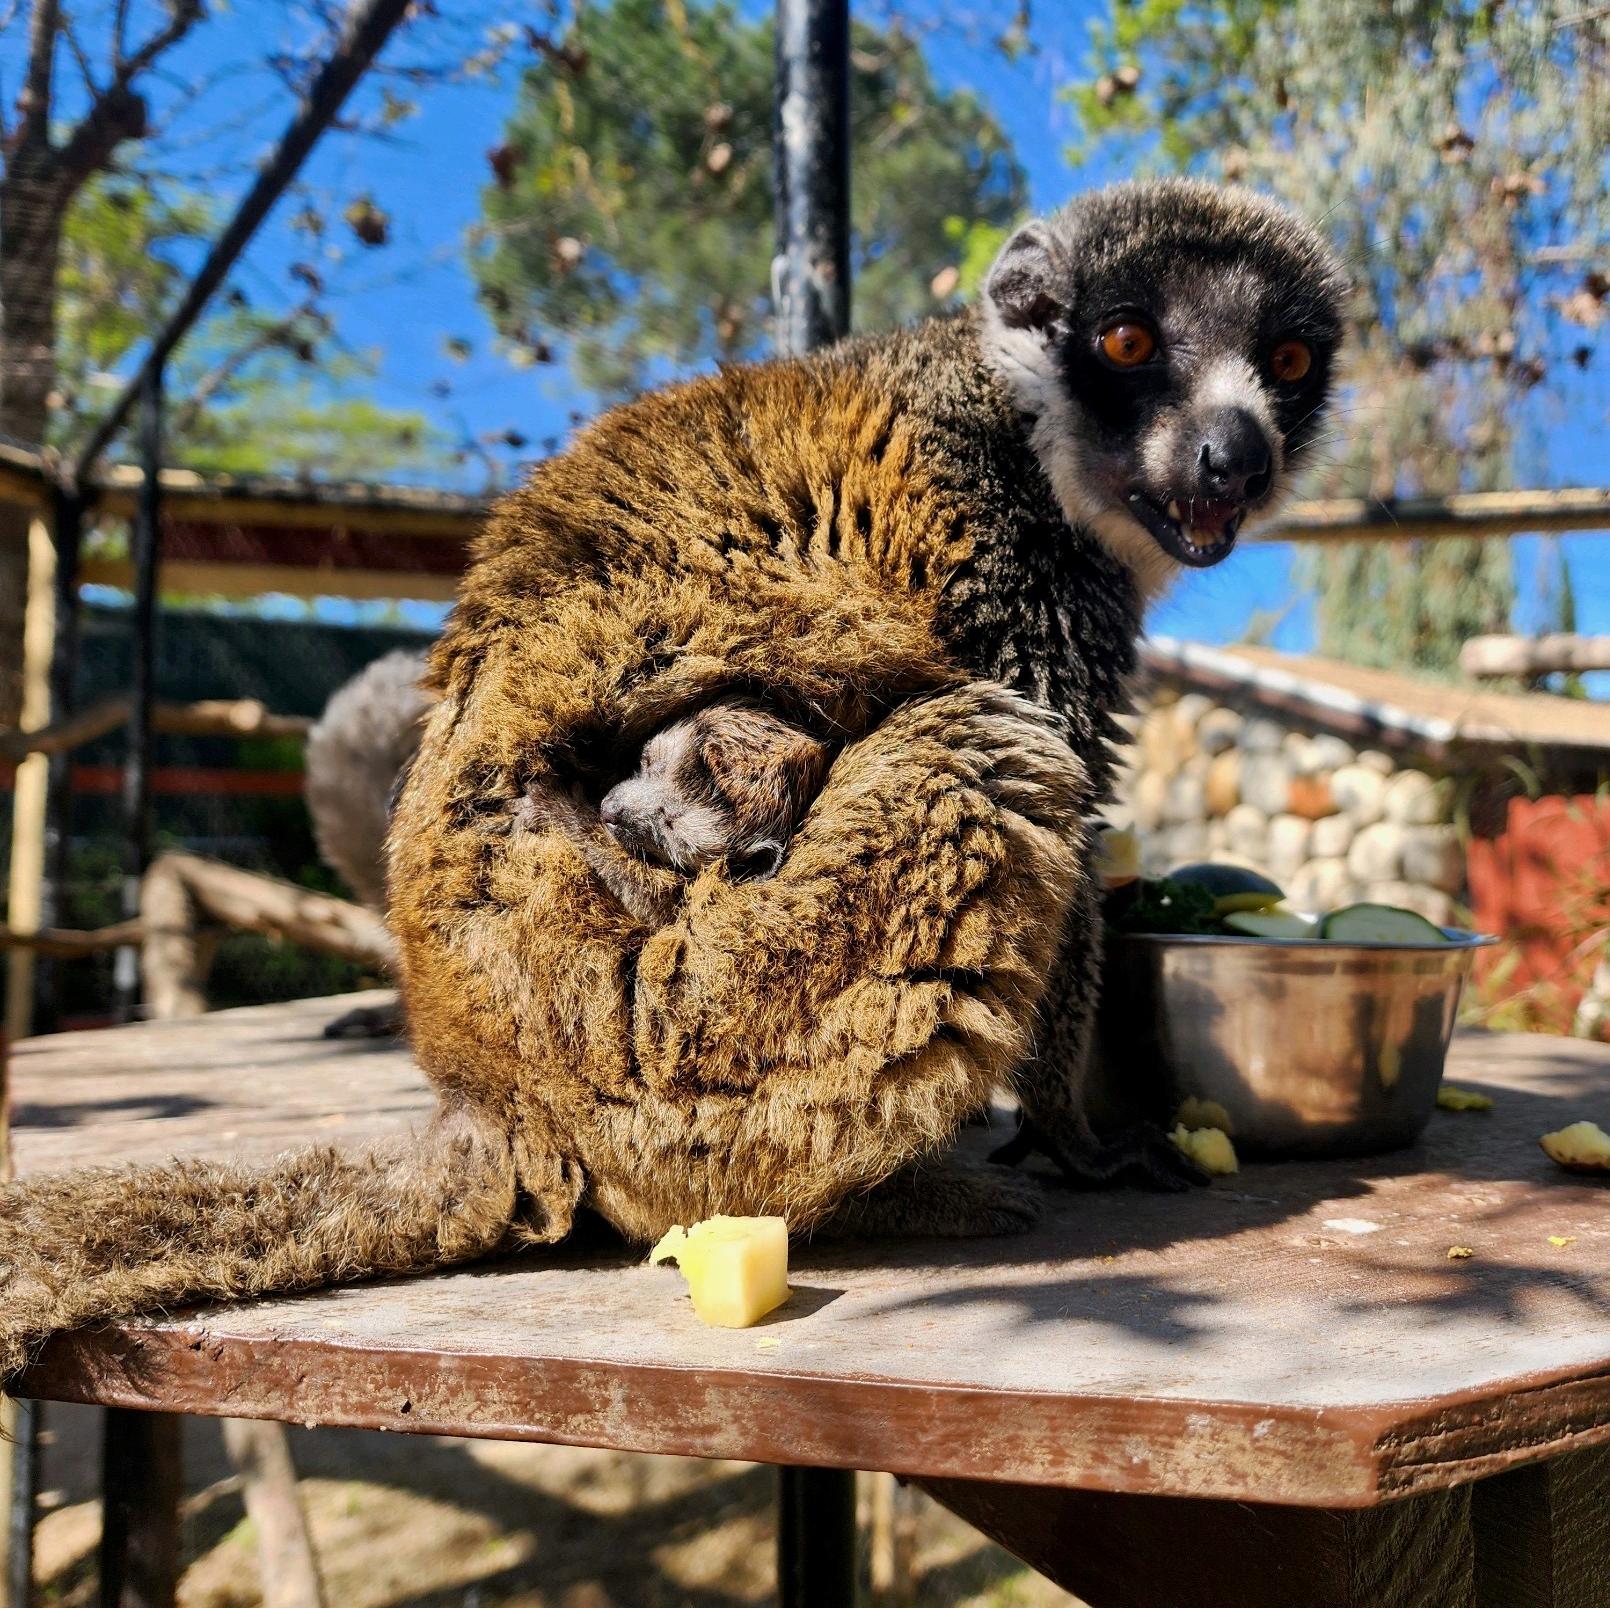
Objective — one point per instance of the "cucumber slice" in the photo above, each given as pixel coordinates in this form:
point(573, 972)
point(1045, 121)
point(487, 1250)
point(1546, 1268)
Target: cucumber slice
point(1379, 924)
point(1233, 887)
point(1271, 924)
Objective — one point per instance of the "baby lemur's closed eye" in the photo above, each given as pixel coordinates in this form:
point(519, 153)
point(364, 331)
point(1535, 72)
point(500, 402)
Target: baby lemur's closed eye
point(729, 783)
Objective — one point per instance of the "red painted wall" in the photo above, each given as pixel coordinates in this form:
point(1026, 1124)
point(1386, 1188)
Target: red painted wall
point(1543, 884)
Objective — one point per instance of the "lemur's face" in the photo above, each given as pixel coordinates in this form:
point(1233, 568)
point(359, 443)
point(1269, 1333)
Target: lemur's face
point(1174, 343)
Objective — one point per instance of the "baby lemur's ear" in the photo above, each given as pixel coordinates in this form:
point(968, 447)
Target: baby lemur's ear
point(766, 769)
point(1022, 285)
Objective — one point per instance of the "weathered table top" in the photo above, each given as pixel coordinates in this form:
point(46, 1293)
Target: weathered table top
point(1296, 1335)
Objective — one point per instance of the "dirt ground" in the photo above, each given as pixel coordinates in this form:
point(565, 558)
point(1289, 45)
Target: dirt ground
point(404, 1521)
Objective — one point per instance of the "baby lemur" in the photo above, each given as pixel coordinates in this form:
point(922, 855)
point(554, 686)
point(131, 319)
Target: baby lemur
point(725, 785)
point(934, 547)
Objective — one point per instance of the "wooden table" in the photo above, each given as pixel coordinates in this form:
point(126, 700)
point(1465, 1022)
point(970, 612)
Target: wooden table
point(1279, 1390)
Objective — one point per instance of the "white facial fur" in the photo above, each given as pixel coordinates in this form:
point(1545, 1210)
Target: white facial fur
point(1025, 361)
point(685, 833)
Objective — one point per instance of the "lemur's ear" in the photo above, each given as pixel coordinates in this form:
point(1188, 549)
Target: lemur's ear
point(1021, 284)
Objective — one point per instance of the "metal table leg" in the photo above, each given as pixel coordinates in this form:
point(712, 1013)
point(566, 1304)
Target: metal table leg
point(815, 1538)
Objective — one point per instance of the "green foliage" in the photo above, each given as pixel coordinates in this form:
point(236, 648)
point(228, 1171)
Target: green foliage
point(632, 212)
point(250, 391)
point(1456, 155)
point(1162, 905)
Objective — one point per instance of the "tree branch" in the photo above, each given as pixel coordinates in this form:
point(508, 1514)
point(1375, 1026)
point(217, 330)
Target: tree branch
point(70, 34)
point(33, 104)
point(216, 378)
point(118, 113)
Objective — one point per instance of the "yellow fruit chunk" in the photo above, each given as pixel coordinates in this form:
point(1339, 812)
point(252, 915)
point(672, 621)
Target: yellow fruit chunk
point(1583, 1147)
point(1560, 1241)
point(1451, 1099)
point(1209, 1148)
point(1460, 1253)
point(1195, 1112)
point(736, 1267)
point(1117, 857)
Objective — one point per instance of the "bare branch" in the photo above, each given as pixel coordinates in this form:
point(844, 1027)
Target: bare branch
point(118, 113)
point(279, 333)
point(70, 34)
point(182, 17)
point(33, 104)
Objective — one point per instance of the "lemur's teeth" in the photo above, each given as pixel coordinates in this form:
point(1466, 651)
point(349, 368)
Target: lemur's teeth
point(1174, 511)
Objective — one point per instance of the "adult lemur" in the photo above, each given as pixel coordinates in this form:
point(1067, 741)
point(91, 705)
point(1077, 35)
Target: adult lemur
point(932, 548)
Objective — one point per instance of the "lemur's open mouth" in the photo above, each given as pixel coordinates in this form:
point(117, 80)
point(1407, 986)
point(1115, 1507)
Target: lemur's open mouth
point(1198, 531)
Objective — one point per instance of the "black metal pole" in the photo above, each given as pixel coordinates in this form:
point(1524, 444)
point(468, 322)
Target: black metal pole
point(142, 688)
point(811, 144)
point(811, 290)
point(366, 32)
point(23, 1450)
point(815, 1538)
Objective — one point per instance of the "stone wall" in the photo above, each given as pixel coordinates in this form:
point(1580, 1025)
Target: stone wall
point(1331, 824)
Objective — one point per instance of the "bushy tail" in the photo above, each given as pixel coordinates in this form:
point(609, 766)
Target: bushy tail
point(107, 1242)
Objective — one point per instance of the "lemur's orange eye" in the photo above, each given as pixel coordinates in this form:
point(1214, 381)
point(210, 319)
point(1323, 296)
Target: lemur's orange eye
point(1128, 344)
point(1290, 361)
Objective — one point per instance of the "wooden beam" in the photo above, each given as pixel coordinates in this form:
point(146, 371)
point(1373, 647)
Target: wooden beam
point(208, 717)
point(1477, 513)
point(27, 871)
point(142, 1484)
point(200, 499)
point(261, 1452)
point(1493, 656)
point(71, 943)
point(233, 580)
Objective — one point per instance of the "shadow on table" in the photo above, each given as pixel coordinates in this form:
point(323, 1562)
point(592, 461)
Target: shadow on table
point(1471, 1164)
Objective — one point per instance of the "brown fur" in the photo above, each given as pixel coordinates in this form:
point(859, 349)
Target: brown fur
point(92, 1244)
point(780, 1045)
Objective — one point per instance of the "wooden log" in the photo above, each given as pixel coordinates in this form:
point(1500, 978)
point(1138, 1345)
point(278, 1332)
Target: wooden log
point(63, 736)
point(261, 1454)
point(26, 875)
point(210, 717)
point(179, 891)
point(69, 943)
point(1561, 652)
point(227, 717)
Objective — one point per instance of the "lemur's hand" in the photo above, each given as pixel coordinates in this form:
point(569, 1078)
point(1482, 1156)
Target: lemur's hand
point(1143, 1154)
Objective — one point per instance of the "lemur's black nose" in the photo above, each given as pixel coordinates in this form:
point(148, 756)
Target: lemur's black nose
point(1234, 458)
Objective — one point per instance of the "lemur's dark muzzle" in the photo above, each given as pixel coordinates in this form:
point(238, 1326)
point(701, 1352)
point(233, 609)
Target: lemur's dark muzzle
point(1234, 461)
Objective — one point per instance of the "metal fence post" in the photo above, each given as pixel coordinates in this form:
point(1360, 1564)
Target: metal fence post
point(811, 290)
point(142, 689)
point(811, 145)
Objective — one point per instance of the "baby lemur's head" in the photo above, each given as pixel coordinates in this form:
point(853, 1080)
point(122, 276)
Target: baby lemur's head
point(1173, 343)
point(728, 783)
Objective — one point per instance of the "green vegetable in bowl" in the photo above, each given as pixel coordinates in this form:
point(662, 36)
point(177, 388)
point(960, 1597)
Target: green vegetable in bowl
point(1233, 887)
point(1285, 924)
point(1379, 924)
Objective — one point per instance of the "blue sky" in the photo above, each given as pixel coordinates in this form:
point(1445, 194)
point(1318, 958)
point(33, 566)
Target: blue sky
point(403, 303)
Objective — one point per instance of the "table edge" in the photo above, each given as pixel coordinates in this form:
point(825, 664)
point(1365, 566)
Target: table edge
point(1303, 1456)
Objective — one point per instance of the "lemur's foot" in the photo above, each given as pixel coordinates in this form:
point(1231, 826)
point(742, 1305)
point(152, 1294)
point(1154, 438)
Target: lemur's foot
point(369, 1021)
point(1144, 1155)
point(949, 1200)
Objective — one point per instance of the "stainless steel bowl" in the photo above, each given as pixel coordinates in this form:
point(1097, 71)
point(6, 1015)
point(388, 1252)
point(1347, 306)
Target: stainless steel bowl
point(1311, 1049)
